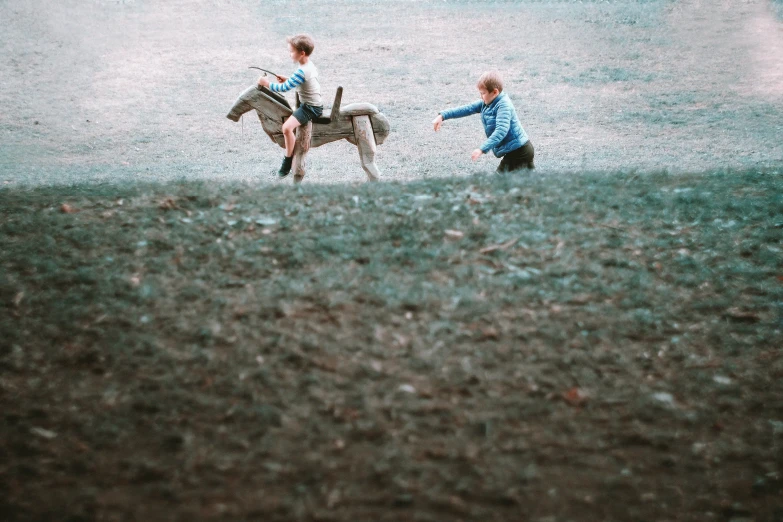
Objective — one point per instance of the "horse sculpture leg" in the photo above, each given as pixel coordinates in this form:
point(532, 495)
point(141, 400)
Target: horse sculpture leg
point(301, 148)
point(365, 140)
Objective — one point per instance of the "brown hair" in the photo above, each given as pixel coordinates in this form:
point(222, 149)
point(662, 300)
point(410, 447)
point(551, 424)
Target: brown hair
point(491, 80)
point(303, 43)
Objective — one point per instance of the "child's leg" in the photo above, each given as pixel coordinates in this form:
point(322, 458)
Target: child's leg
point(520, 158)
point(289, 130)
point(511, 161)
point(504, 164)
point(530, 153)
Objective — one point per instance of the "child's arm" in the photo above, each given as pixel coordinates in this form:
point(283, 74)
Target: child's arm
point(502, 125)
point(461, 112)
point(296, 79)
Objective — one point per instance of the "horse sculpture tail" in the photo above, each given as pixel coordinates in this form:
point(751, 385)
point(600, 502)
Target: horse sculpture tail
point(381, 127)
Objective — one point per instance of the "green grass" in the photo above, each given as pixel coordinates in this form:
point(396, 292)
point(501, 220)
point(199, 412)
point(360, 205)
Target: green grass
point(152, 304)
point(778, 6)
point(386, 241)
point(605, 74)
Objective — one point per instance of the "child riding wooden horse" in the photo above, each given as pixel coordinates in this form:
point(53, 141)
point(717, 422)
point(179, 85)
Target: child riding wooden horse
point(362, 124)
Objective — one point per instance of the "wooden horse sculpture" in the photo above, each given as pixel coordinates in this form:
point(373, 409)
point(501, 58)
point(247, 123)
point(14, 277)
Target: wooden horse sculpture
point(360, 123)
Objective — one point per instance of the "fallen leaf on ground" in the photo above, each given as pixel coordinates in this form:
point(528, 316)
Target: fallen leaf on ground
point(502, 246)
point(664, 397)
point(46, 434)
point(333, 499)
point(454, 234)
point(490, 332)
point(18, 298)
point(580, 299)
point(65, 208)
point(575, 396)
point(265, 221)
point(720, 379)
point(168, 204)
point(741, 316)
point(328, 364)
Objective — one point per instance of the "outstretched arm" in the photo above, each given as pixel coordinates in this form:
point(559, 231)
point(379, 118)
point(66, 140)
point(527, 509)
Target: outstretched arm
point(461, 112)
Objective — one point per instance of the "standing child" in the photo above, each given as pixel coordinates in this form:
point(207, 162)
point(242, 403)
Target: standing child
point(505, 136)
point(305, 80)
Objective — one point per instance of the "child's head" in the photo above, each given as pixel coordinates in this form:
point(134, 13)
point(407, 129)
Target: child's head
point(490, 85)
point(300, 46)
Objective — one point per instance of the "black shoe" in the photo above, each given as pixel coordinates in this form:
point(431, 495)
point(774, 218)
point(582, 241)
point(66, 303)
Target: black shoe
point(285, 168)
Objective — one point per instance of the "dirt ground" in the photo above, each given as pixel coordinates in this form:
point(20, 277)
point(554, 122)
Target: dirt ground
point(133, 90)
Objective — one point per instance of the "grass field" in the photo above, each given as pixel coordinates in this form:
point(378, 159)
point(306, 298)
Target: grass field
point(185, 337)
point(132, 91)
point(564, 347)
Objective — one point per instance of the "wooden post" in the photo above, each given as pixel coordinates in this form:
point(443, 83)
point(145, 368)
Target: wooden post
point(301, 148)
point(338, 100)
point(365, 141)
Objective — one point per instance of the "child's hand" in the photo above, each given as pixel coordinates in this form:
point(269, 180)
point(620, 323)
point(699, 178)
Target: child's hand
point(263, 82)
point(476, 154)
point(437, 122)
point(281, 79)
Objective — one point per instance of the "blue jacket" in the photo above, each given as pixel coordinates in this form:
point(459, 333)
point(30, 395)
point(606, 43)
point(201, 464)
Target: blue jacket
point(504, 132)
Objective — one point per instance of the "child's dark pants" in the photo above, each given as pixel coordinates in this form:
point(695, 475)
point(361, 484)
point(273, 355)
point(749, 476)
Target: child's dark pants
point(521, 158)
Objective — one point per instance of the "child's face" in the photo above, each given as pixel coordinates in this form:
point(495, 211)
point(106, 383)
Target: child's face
point(487, 96)
point(296, 55)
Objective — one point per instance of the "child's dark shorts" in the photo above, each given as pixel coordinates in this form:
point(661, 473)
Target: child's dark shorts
point(307, 113)
point(521, 158)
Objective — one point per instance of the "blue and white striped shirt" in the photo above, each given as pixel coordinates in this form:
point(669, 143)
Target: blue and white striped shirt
point(305, 81)
point(296, 79)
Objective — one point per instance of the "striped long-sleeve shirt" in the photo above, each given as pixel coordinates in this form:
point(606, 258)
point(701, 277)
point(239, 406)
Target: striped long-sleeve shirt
point(501, 125)
point(305, 81)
